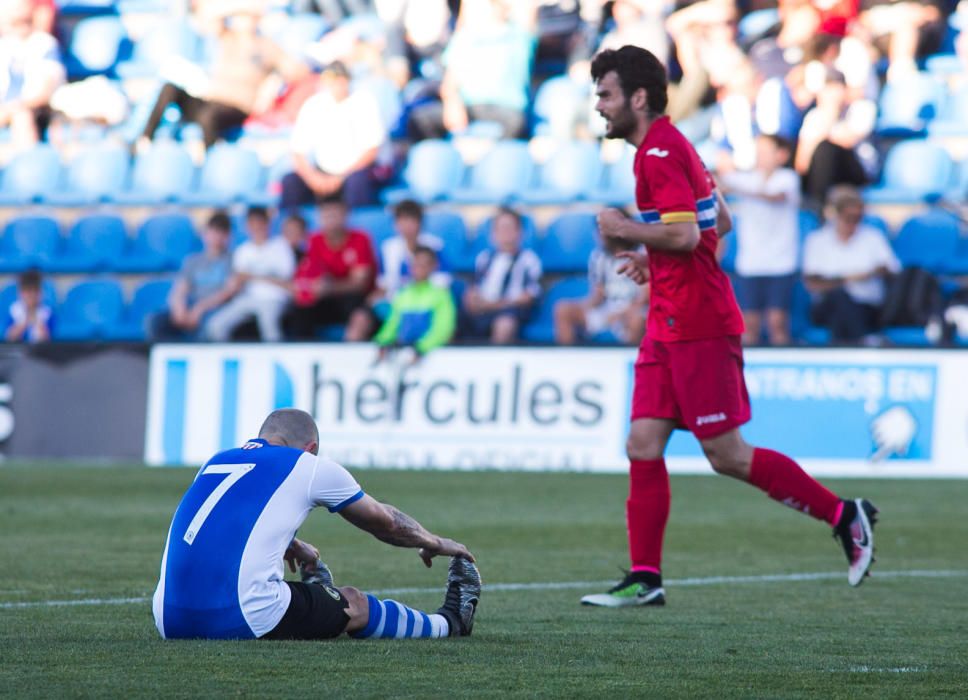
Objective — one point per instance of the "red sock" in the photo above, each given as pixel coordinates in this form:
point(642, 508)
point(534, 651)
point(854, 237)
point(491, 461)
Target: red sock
point(646, 513)
point(785, 481)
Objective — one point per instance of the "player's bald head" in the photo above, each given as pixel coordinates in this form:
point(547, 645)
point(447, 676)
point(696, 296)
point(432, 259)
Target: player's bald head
point(291, 427)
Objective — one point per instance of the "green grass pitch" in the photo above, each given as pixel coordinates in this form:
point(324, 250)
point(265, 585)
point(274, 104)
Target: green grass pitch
point(85, 533)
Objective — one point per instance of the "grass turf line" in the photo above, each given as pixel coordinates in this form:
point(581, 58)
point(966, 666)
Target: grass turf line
point(78, 533)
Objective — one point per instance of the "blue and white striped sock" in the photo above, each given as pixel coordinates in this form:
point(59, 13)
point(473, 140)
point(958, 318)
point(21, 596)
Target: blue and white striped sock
point(392, 620)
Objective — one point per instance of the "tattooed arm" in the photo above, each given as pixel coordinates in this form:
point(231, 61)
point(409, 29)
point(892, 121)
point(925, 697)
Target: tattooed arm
point(390, 525)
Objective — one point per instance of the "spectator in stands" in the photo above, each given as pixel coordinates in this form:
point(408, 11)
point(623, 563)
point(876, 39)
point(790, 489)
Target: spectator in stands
point(262, 270)
point(30, 72)
point(639, 23)
point(488, 72)
point(396, 266)
point(29, 320)
point(336, 144)
point(615, 303)
point(335, 277)
point(507, 283)
point(904, 31)
point(294, 230)
point(200, 288)
point(767, 230)
point(844, 265)
point(422, 314)
point(833, 138)
point(246, 74)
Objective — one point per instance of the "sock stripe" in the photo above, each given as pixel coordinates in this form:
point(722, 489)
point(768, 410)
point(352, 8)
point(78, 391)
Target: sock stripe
point(392, 618)
point(411, 618)
point(425, 627)
point(375, 618)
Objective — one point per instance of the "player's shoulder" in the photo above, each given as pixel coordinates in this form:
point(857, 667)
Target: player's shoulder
point(664, 140)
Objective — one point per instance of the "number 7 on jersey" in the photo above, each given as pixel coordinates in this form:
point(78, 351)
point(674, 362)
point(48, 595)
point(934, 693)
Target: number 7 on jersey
point(234, 472)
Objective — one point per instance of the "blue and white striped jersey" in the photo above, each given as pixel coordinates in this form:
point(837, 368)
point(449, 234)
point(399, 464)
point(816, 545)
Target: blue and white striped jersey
point(222, 569)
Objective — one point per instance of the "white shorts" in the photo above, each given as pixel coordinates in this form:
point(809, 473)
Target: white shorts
point(597, 319)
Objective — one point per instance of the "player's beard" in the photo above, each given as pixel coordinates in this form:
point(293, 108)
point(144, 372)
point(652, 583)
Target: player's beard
point(621, 125)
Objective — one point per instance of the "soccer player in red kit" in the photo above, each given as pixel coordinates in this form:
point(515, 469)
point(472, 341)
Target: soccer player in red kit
point(689, 371)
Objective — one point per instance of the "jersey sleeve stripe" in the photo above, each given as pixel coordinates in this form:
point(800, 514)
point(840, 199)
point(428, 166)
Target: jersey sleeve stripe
point(352, 499)
point(678, 217)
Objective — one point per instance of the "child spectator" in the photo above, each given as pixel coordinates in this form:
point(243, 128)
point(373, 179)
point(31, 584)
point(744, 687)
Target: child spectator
point(200, 288)
point(767, 208)
point(507, 283)
point(294, 230)
point(262, 272)
point(615, 303)
point(422, 314)
point(30, 319)
point(396, 262)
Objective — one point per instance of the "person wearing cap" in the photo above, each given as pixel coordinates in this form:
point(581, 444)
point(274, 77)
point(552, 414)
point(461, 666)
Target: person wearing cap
point(335, 145)
point(844, 266)
point(245, 66)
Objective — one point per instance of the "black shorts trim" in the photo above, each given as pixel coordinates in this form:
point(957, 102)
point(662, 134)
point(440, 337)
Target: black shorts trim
point(315, 612)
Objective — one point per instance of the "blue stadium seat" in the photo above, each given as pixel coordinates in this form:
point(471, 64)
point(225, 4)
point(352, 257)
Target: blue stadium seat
point(150, 298)
point(907, 106)
point(31, 176)
point(568, 243)
point(94, 243)
point(929, 240)
point(953, 119)
point(229, 174)
point(448, 226)
point(375, 221)
point(502, 173)
point(800, 326)
point(162, 243)
point(557, 103)
point(572, 172)
point(913, 336)
point(162, 174)
point(96, 175)
point(541, 328)
point(434, 168)
point(29, 241)
point(88, 310)
point(173, 37)
point(913, 171)
point(619, 182)
point(757, 23)
point(96, 45)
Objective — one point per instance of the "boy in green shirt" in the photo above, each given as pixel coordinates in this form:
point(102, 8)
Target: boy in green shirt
point(422, 315)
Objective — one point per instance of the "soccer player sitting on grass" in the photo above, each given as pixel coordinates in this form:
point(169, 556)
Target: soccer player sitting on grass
point(222, 568)
point(689, 372)
point(422, 314)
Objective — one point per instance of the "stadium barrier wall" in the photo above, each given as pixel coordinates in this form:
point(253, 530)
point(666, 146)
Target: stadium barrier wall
point(841, 412)
point(76, 402)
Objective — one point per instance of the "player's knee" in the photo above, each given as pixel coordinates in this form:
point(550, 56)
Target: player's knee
point(726, 461)
point(355, 597)
point(639, 448)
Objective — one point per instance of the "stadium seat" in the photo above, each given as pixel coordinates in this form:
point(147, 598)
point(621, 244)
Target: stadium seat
point(29, 241)
point(757, 23)
point(907, 106)
point(162, 243)
point(88, 310)
point(93, 244)
point(162, 174)
point(800, 326)
point(557, 104)
point(568, 243)
point(229, 174)
point(928, 240)
point(541, 328)
point(730, 247)
point(619, 182)
point(434, 168)
point(499, 175)
point(168, 38)
point(572, 172)
point(953, 119)
point(913, 171)
point(96, 175)
point(375, 221)
point(96, 45)
point(448, 226)
point(150, 298)
point(913, 336)
point(31, 176)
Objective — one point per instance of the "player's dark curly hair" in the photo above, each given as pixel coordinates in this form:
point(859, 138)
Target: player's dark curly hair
point(636, 68)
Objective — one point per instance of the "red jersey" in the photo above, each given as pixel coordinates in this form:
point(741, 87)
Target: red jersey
point(692, 297)
point(323, 260)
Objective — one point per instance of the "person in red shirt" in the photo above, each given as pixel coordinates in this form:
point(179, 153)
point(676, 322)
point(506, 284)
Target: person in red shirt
point(335, 275)
point(689, 372)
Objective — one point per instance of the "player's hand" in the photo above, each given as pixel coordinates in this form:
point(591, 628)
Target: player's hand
point(635, 266)
point(611, 222)
point(300, 552)
point(445, 548)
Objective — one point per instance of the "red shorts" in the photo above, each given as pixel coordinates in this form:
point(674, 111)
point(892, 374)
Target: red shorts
point(697, 383)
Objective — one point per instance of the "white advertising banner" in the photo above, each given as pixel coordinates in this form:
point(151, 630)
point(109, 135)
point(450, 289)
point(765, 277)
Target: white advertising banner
point(841, 412)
